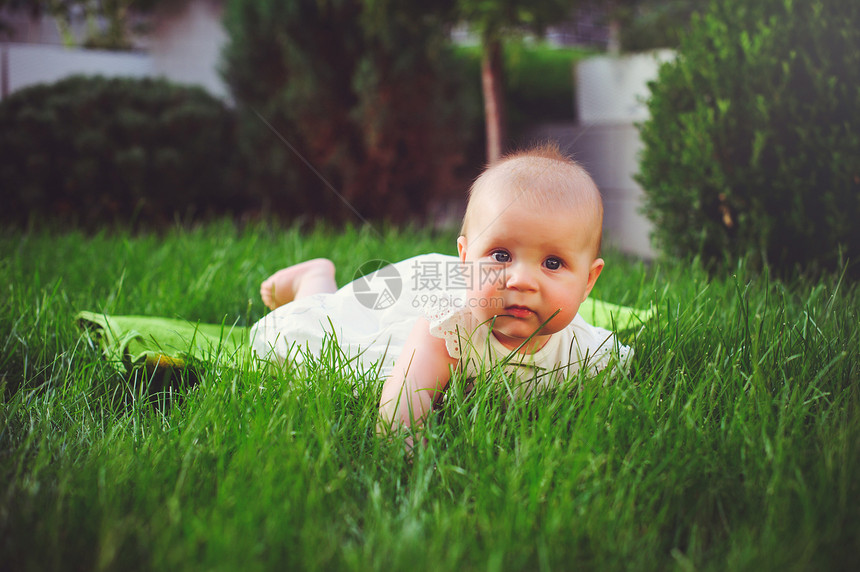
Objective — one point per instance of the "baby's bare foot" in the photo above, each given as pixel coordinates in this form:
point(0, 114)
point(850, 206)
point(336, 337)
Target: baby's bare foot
point(272, 295)
point(303, 279)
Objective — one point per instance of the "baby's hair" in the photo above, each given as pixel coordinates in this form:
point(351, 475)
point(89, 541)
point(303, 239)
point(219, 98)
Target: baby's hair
point(542, 177)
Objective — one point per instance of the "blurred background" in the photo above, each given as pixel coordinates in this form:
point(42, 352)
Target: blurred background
point(150, 112)
point(384, 100)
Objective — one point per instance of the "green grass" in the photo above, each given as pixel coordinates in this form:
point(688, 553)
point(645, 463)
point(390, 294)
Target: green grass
point(733, 442)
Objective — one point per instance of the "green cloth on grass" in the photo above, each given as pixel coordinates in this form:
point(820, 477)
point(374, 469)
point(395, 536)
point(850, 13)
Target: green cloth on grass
point(623, 320)
point(131, 341)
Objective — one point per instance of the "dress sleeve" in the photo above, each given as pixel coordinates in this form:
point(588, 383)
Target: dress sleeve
point(450, 321)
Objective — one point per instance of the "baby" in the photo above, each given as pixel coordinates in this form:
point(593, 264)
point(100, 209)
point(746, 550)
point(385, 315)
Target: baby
point(528, 257)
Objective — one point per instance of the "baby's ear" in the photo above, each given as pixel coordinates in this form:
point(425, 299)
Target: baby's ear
point(593, 275)
point(461, 248)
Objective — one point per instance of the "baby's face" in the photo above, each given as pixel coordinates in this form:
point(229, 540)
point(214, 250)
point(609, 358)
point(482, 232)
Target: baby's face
point(526, 266)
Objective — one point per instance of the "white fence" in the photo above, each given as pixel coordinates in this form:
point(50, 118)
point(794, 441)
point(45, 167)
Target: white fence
point(22, 65)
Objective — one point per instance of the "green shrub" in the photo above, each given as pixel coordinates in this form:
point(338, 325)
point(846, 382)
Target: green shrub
point(753, 144)
point(95, 149)
point(347, 106)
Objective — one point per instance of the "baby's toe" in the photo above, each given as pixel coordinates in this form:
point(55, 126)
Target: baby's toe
point(267, 294)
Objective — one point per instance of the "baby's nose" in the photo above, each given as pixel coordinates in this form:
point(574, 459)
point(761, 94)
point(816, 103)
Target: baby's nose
point(520, 278)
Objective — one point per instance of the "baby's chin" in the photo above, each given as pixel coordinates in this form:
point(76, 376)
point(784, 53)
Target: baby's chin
point(525, 343)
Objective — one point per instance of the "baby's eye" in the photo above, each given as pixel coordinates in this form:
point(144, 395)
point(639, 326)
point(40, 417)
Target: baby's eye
point(500, 256)
point(552, 263)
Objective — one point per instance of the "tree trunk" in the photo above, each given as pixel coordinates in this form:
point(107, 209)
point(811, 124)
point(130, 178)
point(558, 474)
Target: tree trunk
point(614, 47)
point(494, 99)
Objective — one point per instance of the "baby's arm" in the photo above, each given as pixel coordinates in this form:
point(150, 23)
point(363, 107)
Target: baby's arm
point(420, 373)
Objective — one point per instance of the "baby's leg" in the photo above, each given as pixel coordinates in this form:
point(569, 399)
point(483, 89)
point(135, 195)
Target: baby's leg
point(294, 282)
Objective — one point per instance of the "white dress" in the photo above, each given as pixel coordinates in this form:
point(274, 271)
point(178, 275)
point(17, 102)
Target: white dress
point(370, 318)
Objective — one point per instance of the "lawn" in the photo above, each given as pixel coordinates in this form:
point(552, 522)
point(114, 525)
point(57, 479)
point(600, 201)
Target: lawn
point(732, 443)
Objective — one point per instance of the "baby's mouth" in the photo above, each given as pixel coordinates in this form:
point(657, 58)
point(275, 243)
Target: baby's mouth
point(519, 311)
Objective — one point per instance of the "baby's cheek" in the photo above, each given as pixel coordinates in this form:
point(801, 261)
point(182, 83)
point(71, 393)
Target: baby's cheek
point(474, 298)
point(564, 317)
point(486, 302)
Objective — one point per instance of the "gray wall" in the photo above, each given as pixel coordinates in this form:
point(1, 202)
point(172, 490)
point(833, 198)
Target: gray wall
point(611, 94)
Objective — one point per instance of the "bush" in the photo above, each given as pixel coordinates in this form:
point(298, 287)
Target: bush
point(347, 106)
point(96, 149)
point(753, 144)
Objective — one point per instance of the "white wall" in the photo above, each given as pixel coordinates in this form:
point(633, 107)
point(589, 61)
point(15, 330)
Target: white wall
point(610, 153)
point(611, 93)
point(612, 89)
point(610, 100)
point(184, 46)
point(28, 64)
